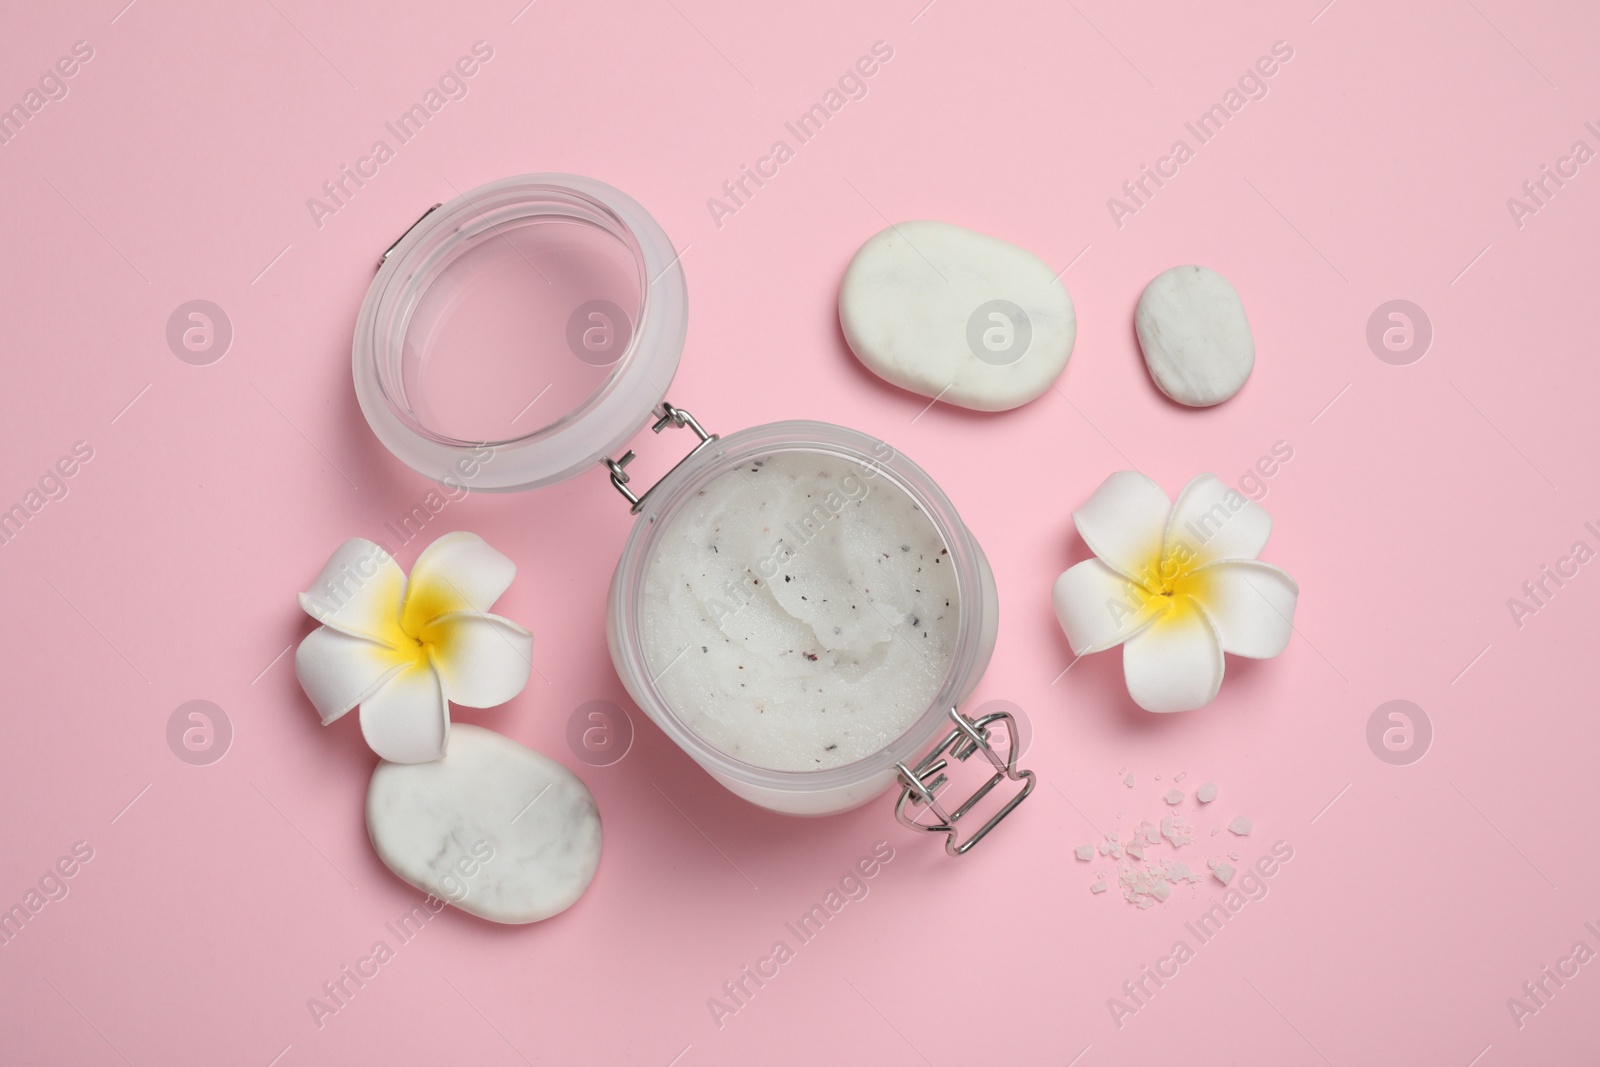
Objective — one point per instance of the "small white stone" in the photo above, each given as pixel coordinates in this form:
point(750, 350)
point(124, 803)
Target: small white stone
point(1195, 337)
point(1098, 887)
point(1223, 873)
point(950, 313)
point(1206, 793)
point(493, 827)
point(1084, 852)
point(1240, 825)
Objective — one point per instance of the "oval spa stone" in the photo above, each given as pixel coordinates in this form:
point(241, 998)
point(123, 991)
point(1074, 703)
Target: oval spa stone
point(1195, 337)
point(957, 315)
point(492, 827)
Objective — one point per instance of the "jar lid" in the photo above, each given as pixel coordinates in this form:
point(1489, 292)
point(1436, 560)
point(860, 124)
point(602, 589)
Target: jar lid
point(520, 333)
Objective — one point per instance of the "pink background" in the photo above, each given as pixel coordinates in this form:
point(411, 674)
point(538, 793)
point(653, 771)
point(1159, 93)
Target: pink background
point(1419, 498)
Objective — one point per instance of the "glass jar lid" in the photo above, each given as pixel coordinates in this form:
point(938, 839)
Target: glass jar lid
point(520, 333)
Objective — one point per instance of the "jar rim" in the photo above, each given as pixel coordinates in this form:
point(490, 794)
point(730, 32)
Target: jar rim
point(878, 459)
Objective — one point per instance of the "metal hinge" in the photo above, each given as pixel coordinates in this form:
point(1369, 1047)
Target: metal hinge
point(667, 415)
point(968, 737)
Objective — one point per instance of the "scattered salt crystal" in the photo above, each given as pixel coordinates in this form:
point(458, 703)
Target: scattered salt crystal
point(1234, 856)
point(1084, 852)
point(1175, 828)
point(1240, 825)
point(1180, 873)
point(1223, 873)
point(1147, 902)
point(1174, 796)
point(1151, 834)
point(1206, 793)
point(1112, 836)
point(1136, 851)
point(1160, 889)
point(1128, 781)
point(1098, 887)
point(1180, 776)
point(1212, 862)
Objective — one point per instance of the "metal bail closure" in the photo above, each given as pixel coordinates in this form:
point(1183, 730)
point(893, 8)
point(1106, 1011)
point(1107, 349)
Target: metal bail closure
point(385, 257)
point(667, 415)
point(968, 737)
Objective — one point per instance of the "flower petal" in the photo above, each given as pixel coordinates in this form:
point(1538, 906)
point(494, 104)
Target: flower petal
point(1099, 608)
point(1214, 521)
point(407, 720)
point(1123, 523)
point(482, 660)
point(1251, 604)
point(458, 572)
point(358, 591)
point(1175, 663)
point(339, 671)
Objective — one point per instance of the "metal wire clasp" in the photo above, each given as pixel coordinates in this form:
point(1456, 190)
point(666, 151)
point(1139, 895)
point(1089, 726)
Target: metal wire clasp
point(968, 737)
point(667, 415)
point(384, 258)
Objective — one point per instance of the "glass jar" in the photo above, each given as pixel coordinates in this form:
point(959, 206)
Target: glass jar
point(527, 330)
point(819, 792)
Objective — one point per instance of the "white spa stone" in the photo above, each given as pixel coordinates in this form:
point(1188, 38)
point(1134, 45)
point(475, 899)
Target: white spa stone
point(800, 614)
point(954, 314)
point(493, 827)
point(1195, 336)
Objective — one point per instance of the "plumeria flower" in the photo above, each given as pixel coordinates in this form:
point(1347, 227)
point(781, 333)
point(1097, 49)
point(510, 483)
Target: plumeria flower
point(1176, 584)
point(404, 651)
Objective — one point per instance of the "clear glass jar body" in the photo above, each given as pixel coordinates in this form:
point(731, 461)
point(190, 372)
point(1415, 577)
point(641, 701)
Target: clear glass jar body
point(836, 789)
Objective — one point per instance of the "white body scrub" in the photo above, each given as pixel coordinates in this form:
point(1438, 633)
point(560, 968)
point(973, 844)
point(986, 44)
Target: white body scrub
point(800, 613)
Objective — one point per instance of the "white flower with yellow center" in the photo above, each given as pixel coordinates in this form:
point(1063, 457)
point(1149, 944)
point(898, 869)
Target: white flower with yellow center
point(404, 651)
point(1176, 584)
